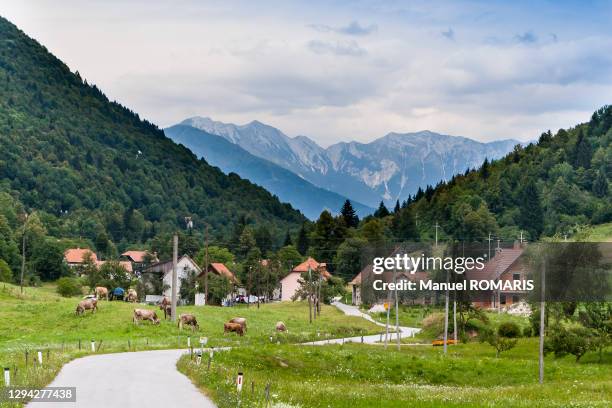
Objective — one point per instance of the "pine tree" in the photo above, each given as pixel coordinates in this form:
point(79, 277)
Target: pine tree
point(397, 207)
point(382, 211)
point(287, 239)
point(583, 152)
point(348, 214)
point(484, 170)
point(531, 216)
point(302, 240)
point(600, 185)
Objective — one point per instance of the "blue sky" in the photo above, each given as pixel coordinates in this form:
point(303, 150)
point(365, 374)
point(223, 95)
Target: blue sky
point(339, 71)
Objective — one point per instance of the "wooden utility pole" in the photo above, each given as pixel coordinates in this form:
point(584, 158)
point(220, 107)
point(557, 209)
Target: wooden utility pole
point(174, 276)
point(397, 329)
point(23, 251)
point(206, 266)
point(542, 315)
point(489, 239)
point(446, 316)
point(455, 318)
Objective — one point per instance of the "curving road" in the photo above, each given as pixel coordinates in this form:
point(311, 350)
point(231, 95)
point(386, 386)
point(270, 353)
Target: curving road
point(147, 379)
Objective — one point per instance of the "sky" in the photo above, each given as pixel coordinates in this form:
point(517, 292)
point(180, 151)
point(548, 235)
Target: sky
point(339, 70)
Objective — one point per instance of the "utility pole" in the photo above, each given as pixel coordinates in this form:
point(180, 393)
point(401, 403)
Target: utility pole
point(489, 239)
point(388, 312)
point(521, 237)
point(174, 276)
point(542, 313)
point(397, 329)
point(446, 316)
point(206, 266)
point(437, 226)
point(455, 318)
point(23, 250)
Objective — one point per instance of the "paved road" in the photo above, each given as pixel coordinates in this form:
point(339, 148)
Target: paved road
point(146, 379)
point(350, 310)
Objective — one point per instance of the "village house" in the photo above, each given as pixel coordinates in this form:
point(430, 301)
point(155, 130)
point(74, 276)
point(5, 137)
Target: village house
point(290, 283)
point(220, 269)
point(75, 257)
point(506, 265)
point(139, 259)
point(185, 265)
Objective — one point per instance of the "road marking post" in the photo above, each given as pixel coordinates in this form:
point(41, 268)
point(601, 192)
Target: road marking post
point(93, 346)
point(239, 382)
point(40, 357)
point(7, 376)
point(188, 341)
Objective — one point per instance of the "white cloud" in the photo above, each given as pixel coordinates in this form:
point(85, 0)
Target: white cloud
point(337, 73)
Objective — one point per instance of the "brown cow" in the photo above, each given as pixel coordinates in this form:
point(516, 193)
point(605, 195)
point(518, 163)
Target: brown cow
point(167, 312)
point(233, 327)
point(101, 292)
point(280, 327)
point(87, 304)
point(144, 314)
point(132, 296)
point(164, 302)
point(189, 320)
point(241, 321)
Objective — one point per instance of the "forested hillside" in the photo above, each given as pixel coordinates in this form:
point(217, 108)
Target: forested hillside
point(92, 168)
point(546, 188)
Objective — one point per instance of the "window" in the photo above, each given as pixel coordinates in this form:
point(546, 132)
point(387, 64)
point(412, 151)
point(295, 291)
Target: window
point(516, 276)
point(502, 299)
point(515, 299)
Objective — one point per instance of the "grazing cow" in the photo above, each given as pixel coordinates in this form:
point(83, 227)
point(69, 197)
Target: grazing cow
point(233, 327)
point(280, 327)
point(87, 304)
point(132, 296)
point(164, 302)
point(167, 312)
point(101, 292)
point(189, 320)
point(144, 314)
point(241, 321)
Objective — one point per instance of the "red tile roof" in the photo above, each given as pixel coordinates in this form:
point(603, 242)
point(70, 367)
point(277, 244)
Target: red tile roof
point(127, 265)
point(501, 262)
point(313, 265)
point(222, 270)
point(78, 255)
point(139, 256)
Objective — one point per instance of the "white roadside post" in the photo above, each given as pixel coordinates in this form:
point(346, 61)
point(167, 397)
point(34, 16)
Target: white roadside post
point(239, 382)
point(188, 341)
point(93, 346)
point(40, 357)
point(7, 376)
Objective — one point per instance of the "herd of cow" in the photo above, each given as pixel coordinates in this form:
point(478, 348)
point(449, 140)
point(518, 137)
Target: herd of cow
point(237, 325)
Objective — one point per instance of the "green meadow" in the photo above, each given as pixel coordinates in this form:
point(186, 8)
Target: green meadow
point(354, 376)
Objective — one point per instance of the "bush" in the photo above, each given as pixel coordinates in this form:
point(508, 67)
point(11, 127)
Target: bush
point(575, 341)
point(527, 331)
point(497, 341)
point(509, 330)
point(6, 275)
point(67, 287)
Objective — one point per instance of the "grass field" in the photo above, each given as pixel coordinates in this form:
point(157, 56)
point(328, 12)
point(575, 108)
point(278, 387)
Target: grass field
point(417, 376)
point(42, 320)
point(600, 233)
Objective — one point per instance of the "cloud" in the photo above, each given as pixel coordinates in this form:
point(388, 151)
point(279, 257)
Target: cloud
point(526, 38)
point(342, 48)
point(353, 28)
point(449, 34)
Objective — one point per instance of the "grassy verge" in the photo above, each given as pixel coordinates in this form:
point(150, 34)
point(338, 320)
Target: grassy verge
point(368, 376)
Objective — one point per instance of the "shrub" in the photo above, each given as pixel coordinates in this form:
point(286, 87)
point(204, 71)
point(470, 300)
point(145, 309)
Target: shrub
point(527, 331)
point(6, 275)
point(509, 330)
point(69, 287)
point(575, 341)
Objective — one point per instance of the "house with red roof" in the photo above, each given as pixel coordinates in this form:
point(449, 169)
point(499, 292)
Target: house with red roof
point(75, 257)
point(506, 265)
point(220, 269)
point(290, 283)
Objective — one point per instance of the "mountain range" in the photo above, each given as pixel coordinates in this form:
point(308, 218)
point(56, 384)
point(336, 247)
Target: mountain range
point(289, 187)
point(387, 169)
